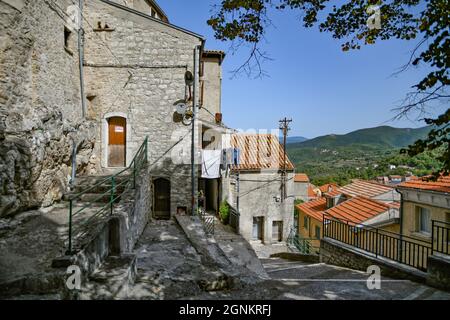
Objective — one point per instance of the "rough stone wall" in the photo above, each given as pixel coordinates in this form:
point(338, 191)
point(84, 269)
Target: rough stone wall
point(40, 105)
point(138, 70)
point(258, 198)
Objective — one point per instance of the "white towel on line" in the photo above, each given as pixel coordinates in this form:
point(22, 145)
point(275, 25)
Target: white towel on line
point(211, 160)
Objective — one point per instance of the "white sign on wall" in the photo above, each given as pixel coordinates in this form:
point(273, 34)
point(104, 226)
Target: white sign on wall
point(119, 129)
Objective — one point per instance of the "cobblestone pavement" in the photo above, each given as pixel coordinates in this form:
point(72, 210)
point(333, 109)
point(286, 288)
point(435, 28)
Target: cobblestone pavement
point(302, 281)
point(170, 268)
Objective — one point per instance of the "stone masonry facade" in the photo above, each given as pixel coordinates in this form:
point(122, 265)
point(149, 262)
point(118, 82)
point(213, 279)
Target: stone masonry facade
point(134, 67)
point(137, 72)
point(40, 109)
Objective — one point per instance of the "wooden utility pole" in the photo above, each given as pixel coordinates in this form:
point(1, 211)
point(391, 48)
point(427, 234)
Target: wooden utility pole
point(284, 126)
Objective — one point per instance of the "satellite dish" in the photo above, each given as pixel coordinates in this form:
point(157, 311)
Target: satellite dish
point(189, 78)
point(182, 108)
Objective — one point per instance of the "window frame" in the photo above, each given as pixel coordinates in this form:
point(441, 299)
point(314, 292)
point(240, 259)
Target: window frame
point(420, 225)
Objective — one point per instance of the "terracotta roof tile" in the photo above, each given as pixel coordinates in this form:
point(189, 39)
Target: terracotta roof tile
point(259, 151)
point(328, 187)
point(441, 185)
point(357, 210)
point(314, 208)
point(301, 177)
point(333, 193)
point(311, 192)
point(364, 188)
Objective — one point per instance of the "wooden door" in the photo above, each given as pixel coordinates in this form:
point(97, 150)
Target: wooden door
point(161, 207)
point(117, 130)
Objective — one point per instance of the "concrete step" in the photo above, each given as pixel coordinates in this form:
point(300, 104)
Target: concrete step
point(94, 197)
point(89, 183)
point(112, 280)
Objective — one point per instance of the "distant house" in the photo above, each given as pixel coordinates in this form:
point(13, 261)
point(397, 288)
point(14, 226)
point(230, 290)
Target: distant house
point(361, 211)
point(422, 202)
point(371, 190)
point(310, 220)
point(301, 187)
point(395, 179)
point(361, 203)
point(265, 218)
point(320, 191)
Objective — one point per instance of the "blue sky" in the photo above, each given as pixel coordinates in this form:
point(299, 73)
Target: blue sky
point(323, 89)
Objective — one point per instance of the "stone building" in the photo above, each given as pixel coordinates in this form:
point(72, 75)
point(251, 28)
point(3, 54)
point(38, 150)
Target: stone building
point(265, 218)
point(131, 77)
point(301, 186)
point(40, 105)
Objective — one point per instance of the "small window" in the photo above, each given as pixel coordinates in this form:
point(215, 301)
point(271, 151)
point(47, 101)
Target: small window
point(317, 232)
point(67, 39)
point(305, 223)
point(424, 220)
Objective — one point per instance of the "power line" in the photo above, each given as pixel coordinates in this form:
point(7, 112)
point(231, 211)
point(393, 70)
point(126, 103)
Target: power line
point(284, 126)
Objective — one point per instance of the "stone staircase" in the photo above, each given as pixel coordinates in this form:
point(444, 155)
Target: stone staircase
point(116, 274)
point(96, 193)
point(113, 280)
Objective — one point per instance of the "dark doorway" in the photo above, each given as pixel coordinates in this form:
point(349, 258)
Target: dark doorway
point(258, 228)
point(161, 202)
point(117, 131)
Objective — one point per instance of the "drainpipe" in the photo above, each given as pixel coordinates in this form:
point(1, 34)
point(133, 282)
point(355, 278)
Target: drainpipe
point(81, 57)
point(194, 118)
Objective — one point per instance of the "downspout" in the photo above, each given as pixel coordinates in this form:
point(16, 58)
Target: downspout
point(81, 57)
point(194, 123)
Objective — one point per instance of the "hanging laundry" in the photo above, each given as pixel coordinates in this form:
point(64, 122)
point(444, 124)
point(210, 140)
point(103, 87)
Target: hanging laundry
point(211, 160)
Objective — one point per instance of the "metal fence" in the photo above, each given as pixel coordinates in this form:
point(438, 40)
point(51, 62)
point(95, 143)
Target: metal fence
point(78, 226)
point(440, 233)
point(301, 245)
point(208, 221)
point(403, 249)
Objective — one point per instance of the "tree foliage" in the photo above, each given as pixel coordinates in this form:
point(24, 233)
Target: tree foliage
point(245, 22)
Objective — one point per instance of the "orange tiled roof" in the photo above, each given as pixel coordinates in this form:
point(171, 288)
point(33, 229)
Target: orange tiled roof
point(301, 177)
point(364, 188)
point(333, 193)
point(259, 151)
point(314, 208)
point(441, 185)
point(326, 187)
point(357, 210)
point(311, 193)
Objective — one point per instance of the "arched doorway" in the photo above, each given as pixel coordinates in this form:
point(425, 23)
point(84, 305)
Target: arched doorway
point(161, 200)
point(117, 145)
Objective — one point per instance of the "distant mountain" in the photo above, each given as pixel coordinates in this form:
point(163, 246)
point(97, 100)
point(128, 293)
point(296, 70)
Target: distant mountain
point(295, 139)
point(383, 137)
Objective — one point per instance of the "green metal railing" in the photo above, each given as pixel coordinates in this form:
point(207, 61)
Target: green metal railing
point(207, 220)
point(302, 245)
point(112, 185)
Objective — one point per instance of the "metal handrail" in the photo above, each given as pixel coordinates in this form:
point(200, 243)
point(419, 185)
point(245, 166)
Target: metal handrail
point(303, 245)
point(361, 226)
point(406, 250)
point(440, 236)
point(110, 182)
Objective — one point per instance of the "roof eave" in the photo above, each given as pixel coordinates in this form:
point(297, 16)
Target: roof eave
point(131, 10)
